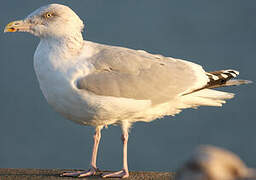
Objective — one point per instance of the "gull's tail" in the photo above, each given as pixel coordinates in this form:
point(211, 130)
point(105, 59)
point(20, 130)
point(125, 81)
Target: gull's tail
point(206, 96)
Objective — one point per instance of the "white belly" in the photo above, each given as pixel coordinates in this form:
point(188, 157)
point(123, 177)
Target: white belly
point(62, 96)
point(56, 76)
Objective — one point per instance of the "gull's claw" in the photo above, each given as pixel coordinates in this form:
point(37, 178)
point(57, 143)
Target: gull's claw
point(90, 172)
point(118, 174)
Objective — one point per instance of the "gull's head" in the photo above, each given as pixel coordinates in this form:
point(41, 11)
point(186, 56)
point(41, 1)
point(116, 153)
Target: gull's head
point(53, 20)
point(212, 163)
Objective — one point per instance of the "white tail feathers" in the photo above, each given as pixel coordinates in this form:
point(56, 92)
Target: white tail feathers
point(213, 94)
point(206, 97)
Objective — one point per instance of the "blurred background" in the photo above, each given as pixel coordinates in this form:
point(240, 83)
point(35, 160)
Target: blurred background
point(216, 34)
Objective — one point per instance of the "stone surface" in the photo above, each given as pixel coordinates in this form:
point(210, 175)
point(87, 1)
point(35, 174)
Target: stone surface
point(53, 174)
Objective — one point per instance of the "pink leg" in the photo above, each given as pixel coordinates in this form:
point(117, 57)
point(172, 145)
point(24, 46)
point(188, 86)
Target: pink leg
point(93, 169)
point(124, 173)
point(96, 137)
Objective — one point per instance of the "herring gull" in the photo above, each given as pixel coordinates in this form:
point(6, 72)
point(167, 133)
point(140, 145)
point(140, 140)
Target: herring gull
point(98, 85)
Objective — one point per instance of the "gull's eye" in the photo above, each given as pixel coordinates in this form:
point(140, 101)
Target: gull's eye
point(48, 15)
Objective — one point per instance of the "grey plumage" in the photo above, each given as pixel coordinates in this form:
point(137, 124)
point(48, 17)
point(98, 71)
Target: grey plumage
point(127, 73)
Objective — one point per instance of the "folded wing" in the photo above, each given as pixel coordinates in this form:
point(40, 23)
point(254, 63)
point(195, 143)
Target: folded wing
point(127, 73)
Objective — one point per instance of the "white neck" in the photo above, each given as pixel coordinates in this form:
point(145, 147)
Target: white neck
point(68, 46)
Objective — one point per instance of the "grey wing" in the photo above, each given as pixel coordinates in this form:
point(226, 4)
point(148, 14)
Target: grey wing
point(121, 72)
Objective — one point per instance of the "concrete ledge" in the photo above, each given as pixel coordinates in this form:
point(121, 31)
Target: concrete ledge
point(53, 174)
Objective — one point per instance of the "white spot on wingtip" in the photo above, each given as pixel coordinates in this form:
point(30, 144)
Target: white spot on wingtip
point(233, 74)
point(215, 77)
point(237, 73)
point(231, 71)
point(224, 75)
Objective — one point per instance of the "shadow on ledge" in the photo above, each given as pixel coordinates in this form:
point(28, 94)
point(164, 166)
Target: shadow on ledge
point(52, 174)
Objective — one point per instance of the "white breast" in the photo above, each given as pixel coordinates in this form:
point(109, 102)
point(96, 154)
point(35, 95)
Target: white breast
point(57, 73)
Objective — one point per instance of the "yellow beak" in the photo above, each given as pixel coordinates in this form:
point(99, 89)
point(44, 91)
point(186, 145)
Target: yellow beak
point(17, 26)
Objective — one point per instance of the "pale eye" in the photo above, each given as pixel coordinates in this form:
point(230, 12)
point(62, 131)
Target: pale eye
point(48, 15)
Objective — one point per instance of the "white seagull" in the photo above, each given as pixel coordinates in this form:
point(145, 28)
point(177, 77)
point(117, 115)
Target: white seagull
point(98, 85)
